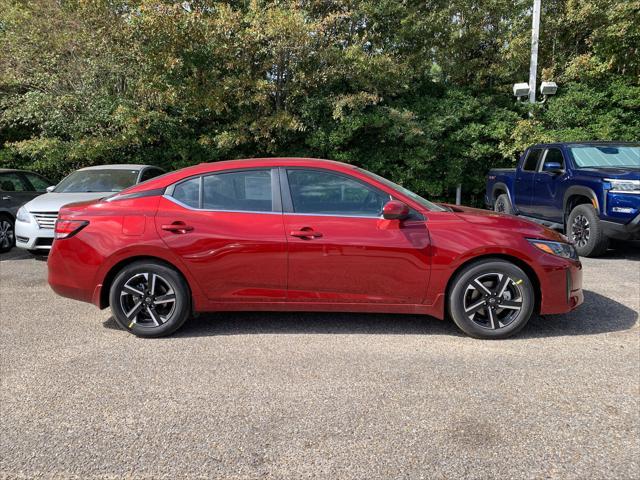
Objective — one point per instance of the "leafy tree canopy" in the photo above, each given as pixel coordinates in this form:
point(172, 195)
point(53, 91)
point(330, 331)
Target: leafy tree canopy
point(417, 91)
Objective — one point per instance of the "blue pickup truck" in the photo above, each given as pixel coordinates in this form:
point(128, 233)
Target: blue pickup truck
point(589, 190)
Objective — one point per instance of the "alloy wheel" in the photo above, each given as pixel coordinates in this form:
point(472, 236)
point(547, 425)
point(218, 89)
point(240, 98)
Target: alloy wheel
point(580, 230)
point(147, 299)
point(500, 207)
point(493, 300)
point(6, 234)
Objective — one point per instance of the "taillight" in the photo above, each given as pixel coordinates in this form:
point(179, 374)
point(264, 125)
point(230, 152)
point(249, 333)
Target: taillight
point(68, 228)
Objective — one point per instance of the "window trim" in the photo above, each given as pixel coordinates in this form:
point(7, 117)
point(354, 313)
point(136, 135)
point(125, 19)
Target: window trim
point(276, 204)
point(287, 200)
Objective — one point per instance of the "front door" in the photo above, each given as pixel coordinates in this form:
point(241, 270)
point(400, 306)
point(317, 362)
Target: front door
point(549, 188)
point(341, 250)
point(228, 230)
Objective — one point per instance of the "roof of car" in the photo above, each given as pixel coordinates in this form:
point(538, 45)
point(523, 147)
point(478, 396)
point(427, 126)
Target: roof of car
point(8, 170)
point(119, 166)
point(587, 143)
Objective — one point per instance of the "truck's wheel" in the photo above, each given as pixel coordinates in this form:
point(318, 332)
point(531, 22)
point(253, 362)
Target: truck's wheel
point(585, 230)
point(503, 204)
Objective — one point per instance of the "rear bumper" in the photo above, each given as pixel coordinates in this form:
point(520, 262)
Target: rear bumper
point(621, 231)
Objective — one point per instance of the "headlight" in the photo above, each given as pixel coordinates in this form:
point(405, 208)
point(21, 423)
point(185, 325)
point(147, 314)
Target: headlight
point(23, 215)
point(623, 186)
point(560, 249)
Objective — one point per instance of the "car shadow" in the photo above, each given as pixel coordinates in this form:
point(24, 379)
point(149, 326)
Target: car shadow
point(20, 254)
point(598, 314)
point(622, 250)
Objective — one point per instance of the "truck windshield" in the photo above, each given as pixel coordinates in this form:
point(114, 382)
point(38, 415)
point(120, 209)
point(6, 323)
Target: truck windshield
point(606, 156)
point(108, 180)
point(414, 196)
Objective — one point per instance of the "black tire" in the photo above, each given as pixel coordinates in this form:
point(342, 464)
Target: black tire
point(503, 204)
point(7, 233)
point(150, 299)
point(584, 229)
point(496, 311)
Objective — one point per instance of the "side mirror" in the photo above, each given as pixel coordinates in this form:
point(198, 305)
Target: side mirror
point(552, 167)
point(395, 210)
point(50, 188)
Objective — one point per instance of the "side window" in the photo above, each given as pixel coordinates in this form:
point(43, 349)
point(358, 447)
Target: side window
point(531, 161)
point(188, 192)
point(248, 190)
point(554, 155)
point(38, 182)
point(325, 193)
point(11, 182)
point(150, 173)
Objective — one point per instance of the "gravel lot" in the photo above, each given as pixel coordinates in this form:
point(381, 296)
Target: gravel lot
point(319, 395)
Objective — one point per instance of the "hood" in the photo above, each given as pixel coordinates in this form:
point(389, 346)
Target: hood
point(52, 202)
point(619, 173)
point(489, 219)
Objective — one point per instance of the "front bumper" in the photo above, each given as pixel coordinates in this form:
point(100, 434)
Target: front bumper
point(561, 288)
point(31, 237)
point(622, 231)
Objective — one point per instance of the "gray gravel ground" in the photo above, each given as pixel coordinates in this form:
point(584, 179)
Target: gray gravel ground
point(319, 395)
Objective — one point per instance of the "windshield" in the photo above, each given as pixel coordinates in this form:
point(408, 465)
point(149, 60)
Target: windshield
point(606, 156)
point(414, 196)
point(97, 181)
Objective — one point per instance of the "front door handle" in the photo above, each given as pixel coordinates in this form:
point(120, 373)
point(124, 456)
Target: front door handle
point(7, 197)
point(177, 227)
point(306, 232)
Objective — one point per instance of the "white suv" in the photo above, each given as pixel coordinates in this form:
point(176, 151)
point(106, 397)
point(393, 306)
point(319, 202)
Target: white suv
point(36, 219)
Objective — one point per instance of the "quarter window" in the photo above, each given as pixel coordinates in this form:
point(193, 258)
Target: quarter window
point(188, 192)
point(248, 190)
point(531, 162)
point(324, 193)
point(38, 182)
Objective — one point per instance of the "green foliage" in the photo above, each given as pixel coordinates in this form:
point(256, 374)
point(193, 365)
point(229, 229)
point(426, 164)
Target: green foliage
point(416, 91)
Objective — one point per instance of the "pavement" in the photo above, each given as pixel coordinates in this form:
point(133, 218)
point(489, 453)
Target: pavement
point(336, 396)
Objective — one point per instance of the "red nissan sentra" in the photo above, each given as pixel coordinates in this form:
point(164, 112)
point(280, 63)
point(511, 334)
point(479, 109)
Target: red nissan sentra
point(295, 234)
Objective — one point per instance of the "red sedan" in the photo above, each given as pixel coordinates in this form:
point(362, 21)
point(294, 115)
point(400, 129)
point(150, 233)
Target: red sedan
point(294, 234)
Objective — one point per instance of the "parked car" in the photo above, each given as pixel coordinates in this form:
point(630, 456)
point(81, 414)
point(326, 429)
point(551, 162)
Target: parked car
point(35, 220)
point(16, 188)
point(304, 234)
point(590, 190)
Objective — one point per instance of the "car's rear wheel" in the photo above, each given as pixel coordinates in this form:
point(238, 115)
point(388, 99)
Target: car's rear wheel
point(584, 229)
point(7, 234)
point(491, 299)
point(150, 299)
point(503, 204)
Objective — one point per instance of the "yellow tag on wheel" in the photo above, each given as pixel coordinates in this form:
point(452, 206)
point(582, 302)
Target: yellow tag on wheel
point(519, 282)
point(131, 324)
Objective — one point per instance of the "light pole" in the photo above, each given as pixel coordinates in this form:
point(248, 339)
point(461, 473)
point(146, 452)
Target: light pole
point(522, 90)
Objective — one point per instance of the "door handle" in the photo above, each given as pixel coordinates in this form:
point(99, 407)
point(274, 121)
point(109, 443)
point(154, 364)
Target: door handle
point(7, 197)
point(305, 232)
point(177, 227)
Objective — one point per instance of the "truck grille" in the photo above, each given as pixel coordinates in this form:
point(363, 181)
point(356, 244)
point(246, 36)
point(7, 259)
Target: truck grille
point(46, 219)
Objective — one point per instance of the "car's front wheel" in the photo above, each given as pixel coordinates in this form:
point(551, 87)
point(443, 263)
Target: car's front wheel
point(7, 234)
point(503, 204)
point(491, 299)
point(150, 299)
point(586, 232)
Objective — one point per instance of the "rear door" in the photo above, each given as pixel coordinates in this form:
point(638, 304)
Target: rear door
point(227, 228)
point(524, 184)
point(549, 188)
point(341, 250)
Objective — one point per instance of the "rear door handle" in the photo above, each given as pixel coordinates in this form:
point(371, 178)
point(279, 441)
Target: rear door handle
point(177, 227)
point(306, 232)
point(7, 197)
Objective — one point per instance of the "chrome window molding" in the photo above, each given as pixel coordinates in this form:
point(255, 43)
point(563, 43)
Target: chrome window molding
point(195, 209)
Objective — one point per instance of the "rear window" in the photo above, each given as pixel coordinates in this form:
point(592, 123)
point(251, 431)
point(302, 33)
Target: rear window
point(531, 162)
